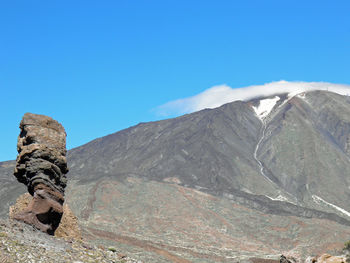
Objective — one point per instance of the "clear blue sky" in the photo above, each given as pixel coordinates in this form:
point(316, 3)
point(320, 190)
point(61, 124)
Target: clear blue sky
point(101, 66)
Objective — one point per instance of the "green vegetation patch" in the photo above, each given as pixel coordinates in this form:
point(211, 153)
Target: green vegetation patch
point(112, 249)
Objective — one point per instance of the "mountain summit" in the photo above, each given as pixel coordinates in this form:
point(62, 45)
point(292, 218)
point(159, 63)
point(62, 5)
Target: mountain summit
point(221, 94)
point(249, 179)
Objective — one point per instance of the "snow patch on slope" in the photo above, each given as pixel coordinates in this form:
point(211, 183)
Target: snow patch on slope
point(265, 107)
point(302, 95)
point(318, 200)
point(278, 198)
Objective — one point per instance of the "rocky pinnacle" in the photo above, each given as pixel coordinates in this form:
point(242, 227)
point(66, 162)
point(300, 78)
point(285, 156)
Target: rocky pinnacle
point(41, 165)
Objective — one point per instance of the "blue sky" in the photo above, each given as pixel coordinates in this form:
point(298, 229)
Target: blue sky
point(101, 66)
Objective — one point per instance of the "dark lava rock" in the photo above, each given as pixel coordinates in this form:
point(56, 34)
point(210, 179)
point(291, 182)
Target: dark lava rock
point(41, 165)
point(284, 259)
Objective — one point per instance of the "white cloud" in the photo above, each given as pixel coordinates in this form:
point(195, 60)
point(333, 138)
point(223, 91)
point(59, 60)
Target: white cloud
point(219, 95)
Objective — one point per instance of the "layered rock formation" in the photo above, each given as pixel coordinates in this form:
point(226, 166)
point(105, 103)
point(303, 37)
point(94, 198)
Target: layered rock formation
point(41, 165)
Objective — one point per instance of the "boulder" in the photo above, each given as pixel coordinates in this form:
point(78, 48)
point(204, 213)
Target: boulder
point(284, 259)
point(326, 258)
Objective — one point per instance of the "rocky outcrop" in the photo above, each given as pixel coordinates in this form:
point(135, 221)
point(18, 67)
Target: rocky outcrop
point(68, 227)
point(284, 259)
point(41, 165)
point(326, 258)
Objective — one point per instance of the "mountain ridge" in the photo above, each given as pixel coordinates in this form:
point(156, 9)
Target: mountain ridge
point(229, 163)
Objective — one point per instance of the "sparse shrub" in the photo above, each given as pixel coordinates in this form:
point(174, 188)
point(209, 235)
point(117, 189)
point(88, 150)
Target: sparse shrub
point(347, 250)
point(112, 249)
point(347, 246)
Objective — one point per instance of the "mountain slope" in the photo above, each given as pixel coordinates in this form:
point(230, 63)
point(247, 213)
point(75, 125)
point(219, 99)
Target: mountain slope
point(210, 149)
point(247, 179)
point(306, 146)
point(293, 162)
point(213, 150)
point(10, 189)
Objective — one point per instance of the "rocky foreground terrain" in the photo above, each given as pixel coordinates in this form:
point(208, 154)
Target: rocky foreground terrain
point(22, 243)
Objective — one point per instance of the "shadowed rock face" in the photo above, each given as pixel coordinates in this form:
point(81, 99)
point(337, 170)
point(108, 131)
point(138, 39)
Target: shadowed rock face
point(41, 165)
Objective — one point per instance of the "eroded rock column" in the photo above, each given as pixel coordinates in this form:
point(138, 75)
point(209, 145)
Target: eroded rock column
point(42, 167)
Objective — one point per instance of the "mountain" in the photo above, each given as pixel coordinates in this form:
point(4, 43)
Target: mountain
point(250, 179)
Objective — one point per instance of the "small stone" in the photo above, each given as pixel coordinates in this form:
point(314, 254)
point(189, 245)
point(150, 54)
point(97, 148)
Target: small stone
point(121, 255)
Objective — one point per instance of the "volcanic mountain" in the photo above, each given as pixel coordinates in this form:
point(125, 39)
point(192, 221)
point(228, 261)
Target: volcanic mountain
point(249, 179)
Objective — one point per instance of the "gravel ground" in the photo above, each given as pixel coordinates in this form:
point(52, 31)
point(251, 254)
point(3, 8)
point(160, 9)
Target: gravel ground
point(22, 243)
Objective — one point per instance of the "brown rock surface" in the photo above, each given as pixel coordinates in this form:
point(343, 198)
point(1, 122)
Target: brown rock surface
point(68, 227)
point(326, 258)
point(41, 165)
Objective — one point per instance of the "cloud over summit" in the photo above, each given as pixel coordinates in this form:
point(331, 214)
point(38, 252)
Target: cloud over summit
point(221, 94)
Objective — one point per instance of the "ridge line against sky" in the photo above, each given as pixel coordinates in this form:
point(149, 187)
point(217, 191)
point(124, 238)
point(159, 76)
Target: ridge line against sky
point(221, 94)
